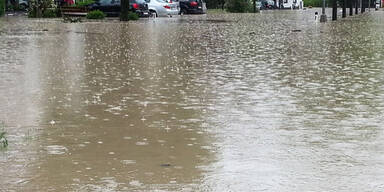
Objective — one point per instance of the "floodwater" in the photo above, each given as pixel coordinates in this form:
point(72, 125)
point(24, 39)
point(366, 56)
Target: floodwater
point(219, 102)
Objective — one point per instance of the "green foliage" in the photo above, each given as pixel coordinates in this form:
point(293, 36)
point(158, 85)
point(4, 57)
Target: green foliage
point(316, 3)
point(49, 13)
point(97, 14)
point(13, 8)
point(83, 3)
point(3, 139)
point(129, 16)
point(132, 16)
point(215, 4)
point(238, 6)
point(2, 7)
point(38, 8)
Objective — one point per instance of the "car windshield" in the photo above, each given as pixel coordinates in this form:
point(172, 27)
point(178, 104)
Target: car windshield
point(104, 2)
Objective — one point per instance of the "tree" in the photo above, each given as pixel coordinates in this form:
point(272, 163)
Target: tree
point(344, 14)
point(334, 10)
point(124, 10)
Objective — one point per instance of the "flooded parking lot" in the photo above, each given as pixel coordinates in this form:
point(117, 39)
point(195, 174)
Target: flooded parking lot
point(219, 102)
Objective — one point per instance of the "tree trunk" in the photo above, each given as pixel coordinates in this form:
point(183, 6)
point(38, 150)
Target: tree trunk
point(356, 6)
point(254, 6)
point(6, 5)
point(124, 10)
point(344, 8)
point(334, 10)
point(39, 12)
point(350, 4)
point(363, 6)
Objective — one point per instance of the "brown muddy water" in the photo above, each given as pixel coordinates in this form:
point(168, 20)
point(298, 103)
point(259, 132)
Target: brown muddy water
point(219, 102)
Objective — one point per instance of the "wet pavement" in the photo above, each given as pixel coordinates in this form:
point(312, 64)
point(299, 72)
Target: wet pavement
point(220, 102)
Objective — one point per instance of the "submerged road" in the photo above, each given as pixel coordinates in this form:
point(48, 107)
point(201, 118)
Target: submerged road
point(219, 102)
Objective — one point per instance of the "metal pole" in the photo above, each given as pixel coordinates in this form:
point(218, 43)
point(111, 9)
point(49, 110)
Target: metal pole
point(323, 17)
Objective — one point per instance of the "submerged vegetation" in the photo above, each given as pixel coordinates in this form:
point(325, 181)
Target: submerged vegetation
point(3, 139)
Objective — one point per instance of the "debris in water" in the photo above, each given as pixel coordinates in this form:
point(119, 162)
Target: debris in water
point(56, 149)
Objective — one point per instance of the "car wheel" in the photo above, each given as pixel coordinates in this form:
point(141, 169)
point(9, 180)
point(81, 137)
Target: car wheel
point(153, 13)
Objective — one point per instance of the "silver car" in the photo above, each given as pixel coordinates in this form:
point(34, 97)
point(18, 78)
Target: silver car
point(163, 7)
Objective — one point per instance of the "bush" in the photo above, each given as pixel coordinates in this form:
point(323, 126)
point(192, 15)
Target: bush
point(41, 8)
point(49, 13)
point(97, 14)
point(2, 7)
point(215, 4)
point(83, 3)
point(133, 16)
point(316, 3)
point(129, 16)
point(238, 6)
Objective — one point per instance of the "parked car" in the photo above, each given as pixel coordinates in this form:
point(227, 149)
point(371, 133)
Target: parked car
point(192, 6)
point(112, 7)
point(163, 7)
point(268, 4)
point(23, 4)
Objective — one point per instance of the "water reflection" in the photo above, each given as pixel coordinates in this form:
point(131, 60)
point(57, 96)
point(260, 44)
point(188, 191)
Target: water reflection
point(272, 102)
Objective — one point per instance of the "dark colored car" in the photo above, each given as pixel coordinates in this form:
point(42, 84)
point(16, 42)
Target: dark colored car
point(112, 7)
point(23, 4)
point(192, 7)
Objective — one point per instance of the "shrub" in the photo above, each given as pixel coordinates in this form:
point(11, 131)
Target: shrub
point(97, 14)
point(133, 16)
point(3, 140)
point(83, 3)
point(49, 13)
point(129, 16)
point(2, 7)
point(38, 8)
point(238, 6)
point(316, 3)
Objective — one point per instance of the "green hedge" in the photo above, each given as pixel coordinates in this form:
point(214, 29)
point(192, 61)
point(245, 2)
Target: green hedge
point(83, 3)
point(316, 3)
point(97, 14)
point(129, 16)
point(2, 7)
point(238, 6)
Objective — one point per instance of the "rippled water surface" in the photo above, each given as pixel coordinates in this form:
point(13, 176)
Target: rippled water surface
point(217, 102)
